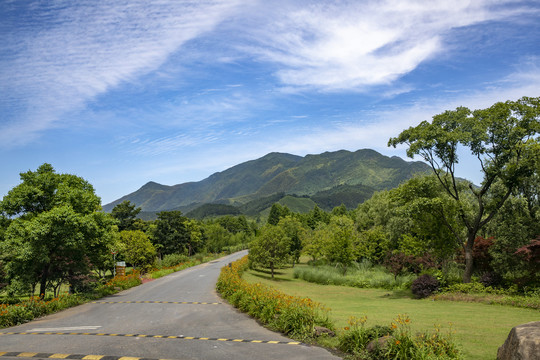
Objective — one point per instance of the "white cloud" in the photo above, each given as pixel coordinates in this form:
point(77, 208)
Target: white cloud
point(353, 45)
point(56, 58)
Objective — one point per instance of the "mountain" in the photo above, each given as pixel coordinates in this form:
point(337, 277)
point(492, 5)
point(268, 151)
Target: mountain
point(328, 179)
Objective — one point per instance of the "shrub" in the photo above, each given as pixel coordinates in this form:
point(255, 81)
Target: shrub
point(424, 286)
point(11, 315)
point(170, 260)
point(490, 279)
point(395, 341)
point(356, 336)
point(292, 315)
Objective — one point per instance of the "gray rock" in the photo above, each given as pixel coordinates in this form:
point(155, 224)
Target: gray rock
point(523, 343)
point(319, 331)
point(379, 343)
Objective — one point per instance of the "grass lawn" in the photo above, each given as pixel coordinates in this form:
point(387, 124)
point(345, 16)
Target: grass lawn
point(479, 328)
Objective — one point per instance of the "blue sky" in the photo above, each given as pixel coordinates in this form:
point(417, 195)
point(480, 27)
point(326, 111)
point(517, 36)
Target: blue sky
point(129, 91)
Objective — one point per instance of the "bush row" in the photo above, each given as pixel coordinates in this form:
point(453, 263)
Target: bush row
point(374, 277)
point(395, 341)
point(297, 318)
point(291, 315)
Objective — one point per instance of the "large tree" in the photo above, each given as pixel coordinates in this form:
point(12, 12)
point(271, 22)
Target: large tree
point(176, 234)
point(270, 249)
point(57, 229)
point(500, 137)
point(126, 214)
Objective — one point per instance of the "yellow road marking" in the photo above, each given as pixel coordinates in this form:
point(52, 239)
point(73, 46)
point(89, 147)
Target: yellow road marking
point(92, 357)
point(27, 354)
point(58, 356)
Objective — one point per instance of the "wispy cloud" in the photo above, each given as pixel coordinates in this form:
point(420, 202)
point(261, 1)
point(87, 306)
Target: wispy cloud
point(55, 57)
point(352, 45)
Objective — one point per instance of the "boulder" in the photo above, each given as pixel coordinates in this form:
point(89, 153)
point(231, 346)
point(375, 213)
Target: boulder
point(523, 343)
point(319, 331)
point(379, 343)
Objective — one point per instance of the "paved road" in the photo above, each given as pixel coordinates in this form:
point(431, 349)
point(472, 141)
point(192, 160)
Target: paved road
point(178, 316)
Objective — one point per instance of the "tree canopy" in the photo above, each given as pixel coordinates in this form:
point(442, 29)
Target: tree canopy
point(56, 233)
point(500, 137)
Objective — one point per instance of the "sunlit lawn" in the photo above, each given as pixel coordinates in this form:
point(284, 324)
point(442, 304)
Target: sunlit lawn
point(479, 328)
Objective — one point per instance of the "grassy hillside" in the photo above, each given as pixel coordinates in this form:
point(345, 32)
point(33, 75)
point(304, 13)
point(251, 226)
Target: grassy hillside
point(330, 179)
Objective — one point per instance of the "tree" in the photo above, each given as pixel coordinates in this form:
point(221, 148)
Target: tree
point(293, 230)
point(270, 249)
point(216, 237)
point(171, 234)
point(340, 249)
point(498, 137)
point(276, 213)
point(137, 249)
point(125, 213)
point(56, 229)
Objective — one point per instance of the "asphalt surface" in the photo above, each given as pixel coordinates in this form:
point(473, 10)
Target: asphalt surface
point(179, 316)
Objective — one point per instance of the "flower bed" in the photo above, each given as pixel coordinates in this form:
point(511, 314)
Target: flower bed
point(292, 315)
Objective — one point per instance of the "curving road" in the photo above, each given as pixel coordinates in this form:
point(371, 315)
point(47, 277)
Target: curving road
point(178, 316)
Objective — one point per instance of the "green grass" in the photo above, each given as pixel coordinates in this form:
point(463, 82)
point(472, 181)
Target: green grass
point(479, 328)
point(359, 276)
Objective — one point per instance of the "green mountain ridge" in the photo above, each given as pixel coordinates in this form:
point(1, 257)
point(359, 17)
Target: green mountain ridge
point(326, 178)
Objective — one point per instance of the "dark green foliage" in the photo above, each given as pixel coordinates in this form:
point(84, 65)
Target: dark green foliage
point(270, 249)
point(212, 210)
point(174, 259)
point(501, 137)
point(234, 224)
point(348, 195)
point(424, 286)
point(276, 173)
point(277, 212)
point(256, 206)
point(57, 233)
point(171, 234)
point(125, 213)
point(491, 279)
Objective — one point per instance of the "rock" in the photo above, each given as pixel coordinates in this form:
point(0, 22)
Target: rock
point(378, 343)
point(523, 343)
point(319, 331)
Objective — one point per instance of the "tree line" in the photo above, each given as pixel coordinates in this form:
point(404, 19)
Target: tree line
point(53, 232)
point(492, 229)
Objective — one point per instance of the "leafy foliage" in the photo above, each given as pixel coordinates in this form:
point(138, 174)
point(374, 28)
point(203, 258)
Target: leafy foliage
point(270, 249)
point(57, 234)
point(292, 315)
point(500, 137)
point(125, 213)
point(424, 286)
point(137, 249)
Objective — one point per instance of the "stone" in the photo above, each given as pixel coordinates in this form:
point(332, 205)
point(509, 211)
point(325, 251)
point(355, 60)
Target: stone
point(523, 343)
point(379, 343)
point(319, 331)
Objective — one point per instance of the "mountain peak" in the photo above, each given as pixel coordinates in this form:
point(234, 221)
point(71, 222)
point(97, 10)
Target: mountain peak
point(278, 173)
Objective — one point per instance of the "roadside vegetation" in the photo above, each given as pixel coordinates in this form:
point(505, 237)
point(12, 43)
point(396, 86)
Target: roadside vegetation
point(58, 249)
point(434, 236)
point(476, 329)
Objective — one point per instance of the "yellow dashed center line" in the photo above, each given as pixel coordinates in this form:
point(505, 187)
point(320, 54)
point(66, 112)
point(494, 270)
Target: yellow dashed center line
point(181, 337)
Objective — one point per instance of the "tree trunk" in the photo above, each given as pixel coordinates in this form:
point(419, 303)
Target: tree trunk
point(468, 259)
point(272, 269)
point(43, 282)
